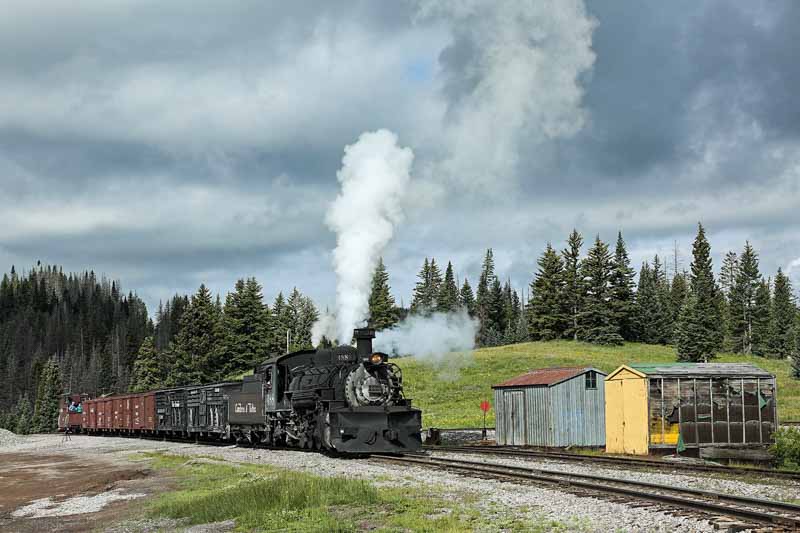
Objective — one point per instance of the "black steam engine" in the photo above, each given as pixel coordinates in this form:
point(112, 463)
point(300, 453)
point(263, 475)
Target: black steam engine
point(342, 399)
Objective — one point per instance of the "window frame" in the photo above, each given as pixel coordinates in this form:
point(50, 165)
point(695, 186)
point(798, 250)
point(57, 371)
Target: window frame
point(590, 380)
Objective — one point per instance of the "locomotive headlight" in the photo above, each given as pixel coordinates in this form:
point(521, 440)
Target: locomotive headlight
point(376, 359)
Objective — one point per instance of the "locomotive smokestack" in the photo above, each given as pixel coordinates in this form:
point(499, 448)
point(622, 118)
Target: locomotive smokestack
point(364, 338)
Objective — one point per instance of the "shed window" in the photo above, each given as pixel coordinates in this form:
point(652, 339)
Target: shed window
point(591, 380)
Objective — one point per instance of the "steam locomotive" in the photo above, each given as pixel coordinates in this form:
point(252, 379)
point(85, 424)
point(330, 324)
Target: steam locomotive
point(344, 399)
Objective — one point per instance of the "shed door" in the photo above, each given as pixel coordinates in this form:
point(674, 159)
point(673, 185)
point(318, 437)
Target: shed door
point(514, 407)
point(634, 409)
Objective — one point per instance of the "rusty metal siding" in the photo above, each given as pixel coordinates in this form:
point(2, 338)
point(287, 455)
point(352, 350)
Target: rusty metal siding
point(499, 418)
point(578, 413)
point(538, 420)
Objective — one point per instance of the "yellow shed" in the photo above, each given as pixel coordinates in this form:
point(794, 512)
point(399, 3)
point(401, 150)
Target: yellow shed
point(626, 411)
point(689, 405)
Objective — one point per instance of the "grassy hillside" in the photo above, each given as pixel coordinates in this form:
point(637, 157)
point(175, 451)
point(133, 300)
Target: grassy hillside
point(449, 393)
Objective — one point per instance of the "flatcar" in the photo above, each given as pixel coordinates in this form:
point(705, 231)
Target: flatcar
point(345, 399)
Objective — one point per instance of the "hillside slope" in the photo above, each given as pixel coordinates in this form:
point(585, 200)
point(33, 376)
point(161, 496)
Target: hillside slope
point(451, 391)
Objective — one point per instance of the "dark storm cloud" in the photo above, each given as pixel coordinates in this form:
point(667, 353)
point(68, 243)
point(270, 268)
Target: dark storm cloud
point(170, 144)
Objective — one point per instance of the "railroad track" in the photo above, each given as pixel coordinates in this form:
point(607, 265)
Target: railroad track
point(616, 461)
point(755, 512)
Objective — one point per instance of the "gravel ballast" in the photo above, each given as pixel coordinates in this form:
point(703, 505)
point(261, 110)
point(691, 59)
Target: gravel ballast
point(767, 488)
point(496, 500)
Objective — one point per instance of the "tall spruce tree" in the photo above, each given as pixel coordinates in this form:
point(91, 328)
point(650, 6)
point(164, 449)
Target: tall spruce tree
point(622, 294)
point(280, 322)
point(381, 302)
point(689, 342)
point(762, 320)
point(596, 319)
point(547, 308)
point(677, 295)
point(782, 336)
point(488, 303)
point(651, 316)
point(728, 272)
point(48, 399)
point(426, 290)
point(466, 299)
point(198, 356)
point(742, 298)
point(23, 416)
point(698, 335)
point(147, 369)
point(447, 301)
point(573, 284)
point(244, 330)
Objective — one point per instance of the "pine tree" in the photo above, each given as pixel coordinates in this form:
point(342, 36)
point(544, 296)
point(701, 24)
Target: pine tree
point(23, 415)
point(381, 302)
point(689, 334)
point(596, 319)
point(622, 294)
point(573, 284)
point(742, 298)
point(447, 301)
point(729, 272)
point(698, 335)
point(762, 320)
point(677, 295)
point(651, 316)
point(280, 322)
point(547, 319)
point(306, 318)
point(147, 371)
point(488, 303)
point(782, 336)
point(466, 299)
point(427, 288)
point(198, 356)
point(49, 391)
point(244, 328)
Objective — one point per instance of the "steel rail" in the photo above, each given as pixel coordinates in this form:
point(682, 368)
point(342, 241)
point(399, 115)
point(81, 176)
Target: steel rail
point(762, 511)
point(622, 461)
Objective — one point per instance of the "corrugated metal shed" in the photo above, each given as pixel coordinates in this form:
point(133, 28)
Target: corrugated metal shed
point(692, 405)
point(554, 407)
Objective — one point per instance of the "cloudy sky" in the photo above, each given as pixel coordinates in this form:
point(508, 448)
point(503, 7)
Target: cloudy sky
point(173, 143)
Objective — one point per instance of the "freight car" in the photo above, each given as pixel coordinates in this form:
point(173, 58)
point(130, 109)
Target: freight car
point(344, 399)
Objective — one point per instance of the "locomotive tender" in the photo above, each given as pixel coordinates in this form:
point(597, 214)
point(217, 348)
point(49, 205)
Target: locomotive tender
point(343, 399)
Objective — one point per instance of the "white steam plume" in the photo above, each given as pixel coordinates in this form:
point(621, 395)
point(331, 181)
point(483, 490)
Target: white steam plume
point(430, 338)
point(374, 177)
point(513, 77)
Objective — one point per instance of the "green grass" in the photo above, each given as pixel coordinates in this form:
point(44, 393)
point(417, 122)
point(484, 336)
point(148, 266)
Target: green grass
point(450, 394)
point(265, 498)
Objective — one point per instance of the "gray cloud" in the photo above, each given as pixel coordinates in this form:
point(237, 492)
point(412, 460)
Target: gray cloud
point(173, 144)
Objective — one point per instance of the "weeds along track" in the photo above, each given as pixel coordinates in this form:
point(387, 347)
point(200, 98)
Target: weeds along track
point(711, 505)
point(625, 462)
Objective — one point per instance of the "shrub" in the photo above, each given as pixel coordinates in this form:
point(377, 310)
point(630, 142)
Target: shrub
point(787, 448)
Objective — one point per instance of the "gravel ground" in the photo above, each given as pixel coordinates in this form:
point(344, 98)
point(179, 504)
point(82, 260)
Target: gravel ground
point(8, 438)
point(497, 499)
point(75, 505)
point(771, 488)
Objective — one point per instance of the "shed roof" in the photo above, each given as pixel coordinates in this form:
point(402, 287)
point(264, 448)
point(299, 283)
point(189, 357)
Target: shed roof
point(547, 376)
point(701, 370)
